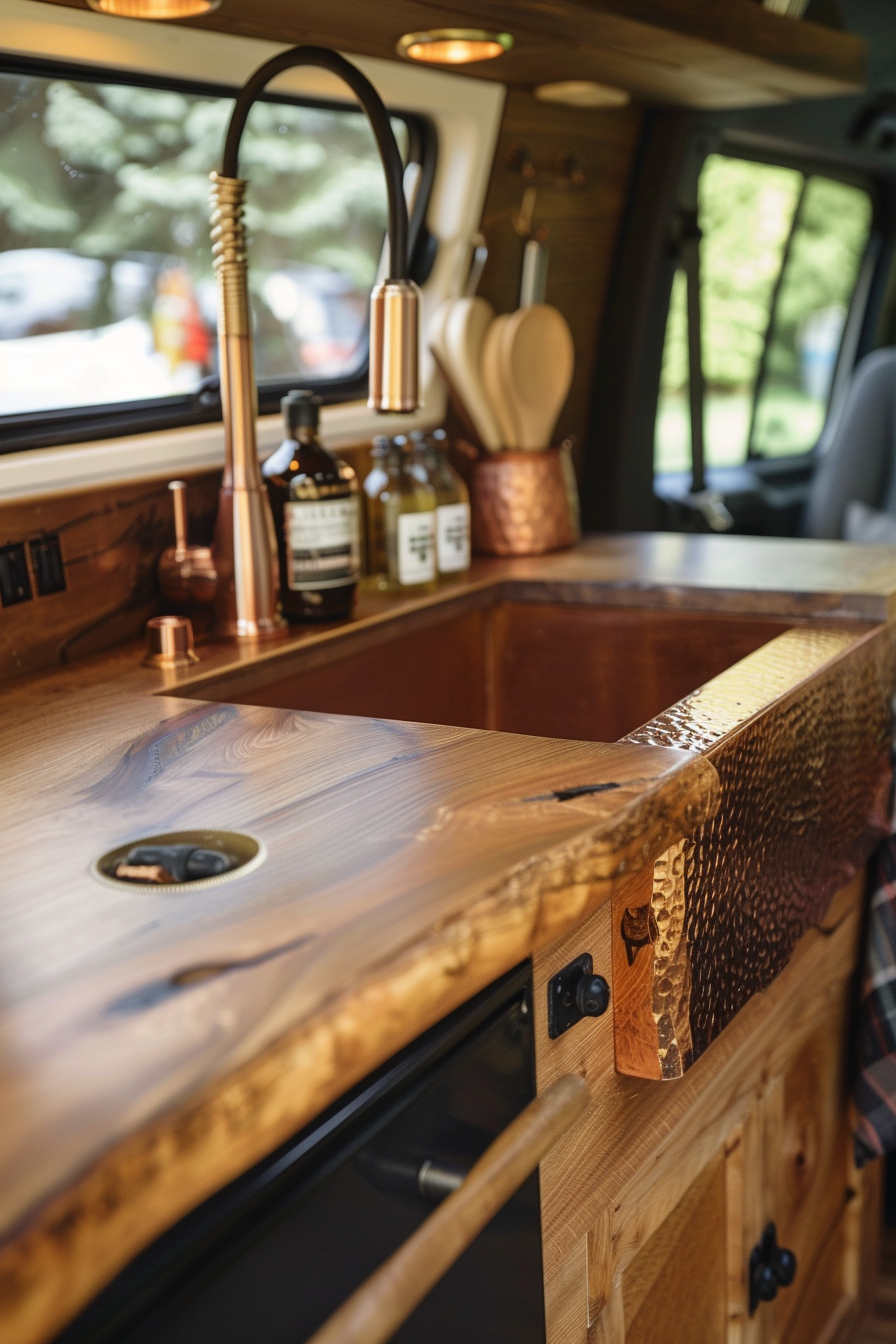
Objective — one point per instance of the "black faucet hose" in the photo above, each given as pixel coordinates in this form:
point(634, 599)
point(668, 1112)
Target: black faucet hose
point(377, 115)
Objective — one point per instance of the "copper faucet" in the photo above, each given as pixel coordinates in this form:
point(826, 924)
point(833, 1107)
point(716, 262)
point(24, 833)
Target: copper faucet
point(243, 549)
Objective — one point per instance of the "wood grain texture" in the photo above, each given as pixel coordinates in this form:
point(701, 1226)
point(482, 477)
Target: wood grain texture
point(430, 860)
point(695, 52)
point(407, 868)
point(680, 1273)
point(756, 575)
point(799, 729)
point(640, 1149)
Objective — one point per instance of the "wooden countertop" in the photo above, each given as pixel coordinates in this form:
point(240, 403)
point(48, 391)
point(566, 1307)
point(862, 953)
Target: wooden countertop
point(155, 1045)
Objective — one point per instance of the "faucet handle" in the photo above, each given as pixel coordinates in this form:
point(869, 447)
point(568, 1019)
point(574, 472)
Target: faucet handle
point(186, 573)
point(179, 497)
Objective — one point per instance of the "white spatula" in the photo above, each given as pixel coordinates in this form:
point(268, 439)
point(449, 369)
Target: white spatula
point(467, 323)
point(535, 358)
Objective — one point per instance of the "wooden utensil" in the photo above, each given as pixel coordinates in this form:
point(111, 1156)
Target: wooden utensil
point(535, 358)
point(435, 332)
point(436, 337)
point(465, 329)
point(493, 381)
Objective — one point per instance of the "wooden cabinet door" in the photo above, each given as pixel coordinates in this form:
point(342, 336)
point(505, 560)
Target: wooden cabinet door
point(680, 1273)
point(651, 1208)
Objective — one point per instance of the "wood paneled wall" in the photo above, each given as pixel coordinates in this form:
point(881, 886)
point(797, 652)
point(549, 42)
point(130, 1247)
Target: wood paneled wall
point(111, 538)
point(583, 221)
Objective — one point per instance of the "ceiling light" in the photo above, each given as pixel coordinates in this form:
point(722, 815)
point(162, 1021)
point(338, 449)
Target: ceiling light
point(454, 46)
point(154, 9)
point(582, 93)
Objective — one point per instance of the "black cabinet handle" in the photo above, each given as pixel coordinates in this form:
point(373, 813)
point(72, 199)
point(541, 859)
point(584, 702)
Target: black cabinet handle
point(771, 1267)
point(763, 1283)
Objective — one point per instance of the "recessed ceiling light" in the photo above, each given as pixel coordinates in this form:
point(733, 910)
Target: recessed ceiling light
point(154, 9)
point(454, 46)
point(582, 93)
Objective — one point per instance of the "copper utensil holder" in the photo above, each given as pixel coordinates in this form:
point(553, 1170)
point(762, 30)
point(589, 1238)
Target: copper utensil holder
point(524, 503)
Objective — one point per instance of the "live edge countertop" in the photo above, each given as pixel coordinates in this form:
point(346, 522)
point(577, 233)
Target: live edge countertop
point(152, 1045)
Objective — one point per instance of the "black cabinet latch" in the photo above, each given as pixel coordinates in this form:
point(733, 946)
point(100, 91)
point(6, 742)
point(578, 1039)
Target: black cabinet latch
point(771, 1267)
point(574, 993)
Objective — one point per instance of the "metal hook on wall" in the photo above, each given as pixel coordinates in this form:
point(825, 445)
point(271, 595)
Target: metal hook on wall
point(522, 219)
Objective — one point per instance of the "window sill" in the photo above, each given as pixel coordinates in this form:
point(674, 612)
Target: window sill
point(183, 452)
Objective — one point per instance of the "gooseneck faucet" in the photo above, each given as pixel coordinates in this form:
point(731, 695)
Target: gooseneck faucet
point(244, 548)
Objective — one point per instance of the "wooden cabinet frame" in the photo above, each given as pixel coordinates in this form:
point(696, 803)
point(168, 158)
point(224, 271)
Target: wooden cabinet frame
point(644, 1147)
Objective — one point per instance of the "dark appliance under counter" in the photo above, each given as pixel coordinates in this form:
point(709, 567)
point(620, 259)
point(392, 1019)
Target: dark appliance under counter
point(269, 1258)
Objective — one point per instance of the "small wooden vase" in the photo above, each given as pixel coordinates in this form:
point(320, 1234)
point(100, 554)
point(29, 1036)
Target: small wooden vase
point(524, 503)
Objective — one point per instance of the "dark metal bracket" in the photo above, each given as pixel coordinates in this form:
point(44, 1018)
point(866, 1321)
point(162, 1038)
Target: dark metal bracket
point(574, 993)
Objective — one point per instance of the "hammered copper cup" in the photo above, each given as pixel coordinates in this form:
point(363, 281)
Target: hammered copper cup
point(524, 503)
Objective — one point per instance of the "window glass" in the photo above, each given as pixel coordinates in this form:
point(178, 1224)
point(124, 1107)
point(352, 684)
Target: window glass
point(779, 262)
point(819, 276)
point(107, 292)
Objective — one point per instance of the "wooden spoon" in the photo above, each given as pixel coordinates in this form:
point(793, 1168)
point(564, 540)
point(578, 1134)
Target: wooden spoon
point(435, 335)
point(536, 360)
point(464, 335)
point(493, 381)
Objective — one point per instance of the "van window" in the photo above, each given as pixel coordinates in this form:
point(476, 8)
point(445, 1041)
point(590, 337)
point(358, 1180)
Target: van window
point(107, 294)
point(780, 258)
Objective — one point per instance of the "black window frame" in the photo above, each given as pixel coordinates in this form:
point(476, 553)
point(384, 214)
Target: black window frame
point(80, 424)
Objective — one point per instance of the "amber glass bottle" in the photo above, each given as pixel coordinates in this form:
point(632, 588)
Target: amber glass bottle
point(314, 499)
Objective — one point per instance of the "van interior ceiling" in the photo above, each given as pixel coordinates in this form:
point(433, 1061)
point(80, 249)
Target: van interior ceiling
point(448, 672)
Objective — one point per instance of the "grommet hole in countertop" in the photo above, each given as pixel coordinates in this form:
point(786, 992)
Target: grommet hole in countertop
point(179, 861)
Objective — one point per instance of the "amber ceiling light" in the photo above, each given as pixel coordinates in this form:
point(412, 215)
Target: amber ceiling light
point(454, 46)
point(154, 9)
point(582, 93)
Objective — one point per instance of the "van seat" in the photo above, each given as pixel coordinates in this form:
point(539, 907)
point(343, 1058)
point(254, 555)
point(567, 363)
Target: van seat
point(858, 451)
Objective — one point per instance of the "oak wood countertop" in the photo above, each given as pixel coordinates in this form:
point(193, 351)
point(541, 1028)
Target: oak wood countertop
point(157, 1044)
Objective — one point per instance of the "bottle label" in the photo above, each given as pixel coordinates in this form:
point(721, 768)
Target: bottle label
point(453, 537)
point(416, 548)
point(323, 542)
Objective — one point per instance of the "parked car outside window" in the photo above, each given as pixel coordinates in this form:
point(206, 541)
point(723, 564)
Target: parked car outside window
point(107, 294)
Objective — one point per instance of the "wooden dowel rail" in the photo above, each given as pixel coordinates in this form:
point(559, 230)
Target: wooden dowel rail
point(384, 1301)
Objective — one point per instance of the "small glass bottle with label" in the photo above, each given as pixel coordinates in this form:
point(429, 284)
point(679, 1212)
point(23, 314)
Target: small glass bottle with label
point(375, 493)
point(419, 457)
point(315, 503)
point(452, 508)
point(401, 525)
point(409, 524)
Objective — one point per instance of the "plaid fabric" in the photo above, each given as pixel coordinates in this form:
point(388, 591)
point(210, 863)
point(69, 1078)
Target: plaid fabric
point(875, 1089)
